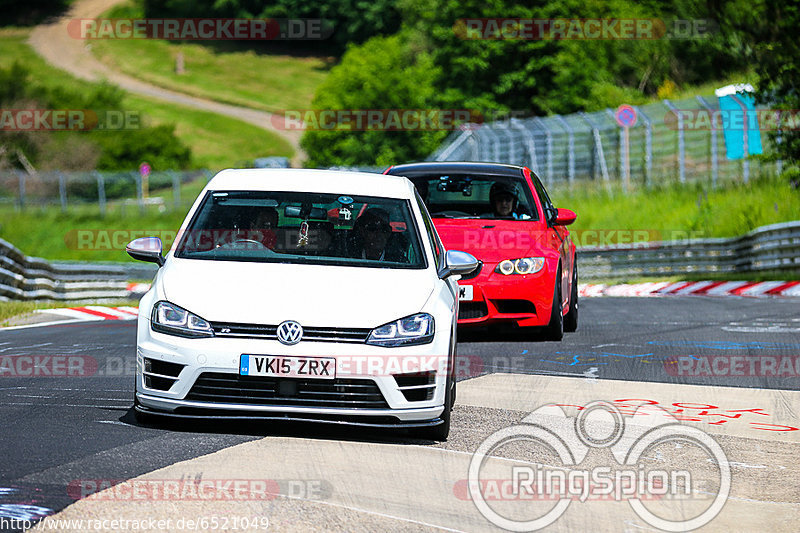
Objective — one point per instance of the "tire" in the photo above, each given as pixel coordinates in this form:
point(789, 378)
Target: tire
point(441, 431)
point(145, 419)
point(571, 318)
point(554, 331)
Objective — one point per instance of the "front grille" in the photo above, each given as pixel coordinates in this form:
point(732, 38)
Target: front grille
point(474, 274)
point(472, 310)
point(514, 306)
point(221, 387)
point(261, 331)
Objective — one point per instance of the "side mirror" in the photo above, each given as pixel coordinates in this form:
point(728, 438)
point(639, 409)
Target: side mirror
point(564, 217)
point(146, 249)
point(457, 263)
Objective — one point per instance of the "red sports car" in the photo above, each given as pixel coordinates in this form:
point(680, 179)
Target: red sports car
point(503, 216)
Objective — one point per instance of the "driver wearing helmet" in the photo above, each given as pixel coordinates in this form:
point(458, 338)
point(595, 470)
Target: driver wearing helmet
point(503, 197)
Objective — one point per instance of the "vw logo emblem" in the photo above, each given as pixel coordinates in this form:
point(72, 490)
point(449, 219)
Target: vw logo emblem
point(290, 332)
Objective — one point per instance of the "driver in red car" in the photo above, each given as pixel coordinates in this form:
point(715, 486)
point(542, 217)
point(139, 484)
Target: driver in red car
point(505, 204)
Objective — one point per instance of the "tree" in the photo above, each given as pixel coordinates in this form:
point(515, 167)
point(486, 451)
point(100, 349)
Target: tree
point(764, 34)
point(382, 74)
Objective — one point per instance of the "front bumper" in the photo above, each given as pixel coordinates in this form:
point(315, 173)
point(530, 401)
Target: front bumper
point(383, 418)
point(522, 299)
point(218, 356)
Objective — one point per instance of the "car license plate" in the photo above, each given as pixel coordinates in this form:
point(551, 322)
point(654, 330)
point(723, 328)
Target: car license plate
point(465, 293)
point(287, 366)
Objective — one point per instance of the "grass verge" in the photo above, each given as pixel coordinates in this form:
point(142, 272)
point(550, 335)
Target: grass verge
point(225, 72)
point(674, 212)
point(12, 311)
point(216, 141)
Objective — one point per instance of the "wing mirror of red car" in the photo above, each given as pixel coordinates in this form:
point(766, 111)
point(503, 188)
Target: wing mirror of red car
point(565, 217)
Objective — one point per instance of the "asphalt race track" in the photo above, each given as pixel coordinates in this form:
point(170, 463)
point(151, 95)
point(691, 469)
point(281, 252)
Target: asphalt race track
point(59, 432)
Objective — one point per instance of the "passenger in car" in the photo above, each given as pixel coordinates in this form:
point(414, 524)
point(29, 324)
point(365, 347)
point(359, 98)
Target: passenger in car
point(263, 224)
point(373, 238)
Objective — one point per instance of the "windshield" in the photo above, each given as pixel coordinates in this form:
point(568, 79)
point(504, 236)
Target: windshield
point(469, 196)
point(294, 227)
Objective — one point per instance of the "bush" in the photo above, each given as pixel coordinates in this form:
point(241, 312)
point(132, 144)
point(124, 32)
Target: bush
point(85, 150)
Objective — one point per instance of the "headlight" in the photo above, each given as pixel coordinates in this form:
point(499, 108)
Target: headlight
point(173, 320)
point(414, 329)
point(525, 265)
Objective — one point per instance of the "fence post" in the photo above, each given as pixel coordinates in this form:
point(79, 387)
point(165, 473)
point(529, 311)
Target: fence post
point(495, 145)
point(779, 161)
point(139, 190)
point(463, 136)
point(714, 163)
point(62, 191)
point(101, 192)
point(648, 145)
point(598, 146)
point(570, 148)
point(620, 146)
point(681, 142)
point(529, 141)
point(512, 154)
point(21, 175)
point(745, 162)
point(548, 143)
point(474, 143)
point(176, 189)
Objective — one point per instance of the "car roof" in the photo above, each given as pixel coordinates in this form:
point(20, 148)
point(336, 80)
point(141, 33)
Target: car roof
point(311, 180)
point(455, 167)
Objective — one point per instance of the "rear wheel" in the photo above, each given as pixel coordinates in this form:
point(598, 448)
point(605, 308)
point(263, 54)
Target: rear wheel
point(571, 319)
point(554, 331)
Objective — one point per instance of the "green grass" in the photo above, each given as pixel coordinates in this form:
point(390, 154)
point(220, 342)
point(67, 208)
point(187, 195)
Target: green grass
point(217, 142)
point(81, 234)
point(234, 75)
point(678, 212)
point(666, 213)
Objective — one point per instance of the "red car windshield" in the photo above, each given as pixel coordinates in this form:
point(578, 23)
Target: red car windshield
point(469, 196)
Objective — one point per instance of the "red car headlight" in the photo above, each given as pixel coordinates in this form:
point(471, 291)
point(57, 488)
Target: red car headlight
point(524, 265)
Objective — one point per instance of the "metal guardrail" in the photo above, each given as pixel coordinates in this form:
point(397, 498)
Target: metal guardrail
point(769, 248)
point(32, 278)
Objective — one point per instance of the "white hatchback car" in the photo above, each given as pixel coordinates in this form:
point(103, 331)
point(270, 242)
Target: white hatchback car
point(302, 295)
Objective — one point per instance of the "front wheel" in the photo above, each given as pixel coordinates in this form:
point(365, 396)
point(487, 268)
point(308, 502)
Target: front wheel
point(554, 331)
point(145, 419)
point(571, 319)
point(441, 431)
